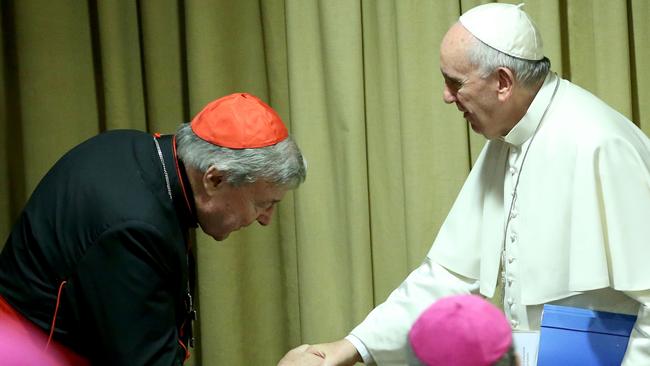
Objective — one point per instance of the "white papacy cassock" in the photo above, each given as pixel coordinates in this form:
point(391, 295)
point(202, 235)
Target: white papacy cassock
point(578, 233)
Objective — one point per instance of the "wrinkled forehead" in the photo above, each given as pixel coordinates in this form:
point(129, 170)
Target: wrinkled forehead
point(453, 51)
point(267, 191)
point(455, 44)
point(457, 37)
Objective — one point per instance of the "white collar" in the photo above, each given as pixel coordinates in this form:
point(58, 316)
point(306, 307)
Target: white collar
point(525, 128)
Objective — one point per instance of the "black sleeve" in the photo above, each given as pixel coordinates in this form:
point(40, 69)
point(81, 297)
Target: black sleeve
point(123, 293)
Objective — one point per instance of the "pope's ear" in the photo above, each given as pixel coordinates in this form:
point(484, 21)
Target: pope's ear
point(506, 82)
point(213, 180)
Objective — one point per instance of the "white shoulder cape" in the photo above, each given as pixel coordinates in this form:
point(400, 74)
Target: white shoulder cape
point(583, 204)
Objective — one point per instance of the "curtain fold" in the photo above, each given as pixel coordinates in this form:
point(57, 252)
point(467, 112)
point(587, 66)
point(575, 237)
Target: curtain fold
point(603, 32)
point(119, 72)
point(8, 205)
point(325, 58)
point(411, 185)
point(638, 12)
point(357, 83)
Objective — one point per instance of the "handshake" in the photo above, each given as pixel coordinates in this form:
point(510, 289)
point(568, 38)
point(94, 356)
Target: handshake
point(339, 353)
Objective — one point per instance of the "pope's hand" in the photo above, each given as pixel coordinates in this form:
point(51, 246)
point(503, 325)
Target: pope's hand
point(300, 357)
point(339, 353)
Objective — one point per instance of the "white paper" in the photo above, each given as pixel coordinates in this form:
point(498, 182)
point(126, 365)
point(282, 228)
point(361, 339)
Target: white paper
point(526, 346)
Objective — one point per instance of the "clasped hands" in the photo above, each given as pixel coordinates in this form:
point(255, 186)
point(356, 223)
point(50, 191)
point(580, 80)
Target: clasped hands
point(339, 353)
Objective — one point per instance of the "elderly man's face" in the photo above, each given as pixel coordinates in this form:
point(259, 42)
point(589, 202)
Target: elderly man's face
point(476, 97)
point(229, 208)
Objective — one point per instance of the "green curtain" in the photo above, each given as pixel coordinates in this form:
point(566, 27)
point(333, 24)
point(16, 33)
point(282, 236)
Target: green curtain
point(358, 84)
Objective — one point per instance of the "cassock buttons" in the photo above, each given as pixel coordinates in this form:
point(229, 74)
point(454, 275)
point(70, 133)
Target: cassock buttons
point(514, 323)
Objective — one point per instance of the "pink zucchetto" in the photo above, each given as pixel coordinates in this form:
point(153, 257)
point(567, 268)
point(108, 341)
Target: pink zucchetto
point(462, 330)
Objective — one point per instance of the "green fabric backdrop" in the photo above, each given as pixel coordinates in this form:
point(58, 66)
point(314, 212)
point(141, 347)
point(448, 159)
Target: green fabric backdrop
point(358, 84)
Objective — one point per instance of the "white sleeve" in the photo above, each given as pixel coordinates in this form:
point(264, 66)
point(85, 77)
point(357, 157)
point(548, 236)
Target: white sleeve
point(638, 347)
point(383, 333)
point(361, 348)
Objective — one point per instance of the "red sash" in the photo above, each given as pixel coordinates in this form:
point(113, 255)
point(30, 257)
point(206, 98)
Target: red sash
point(23, 343)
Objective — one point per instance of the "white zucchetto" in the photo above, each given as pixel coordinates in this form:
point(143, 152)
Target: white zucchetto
point(505, 27)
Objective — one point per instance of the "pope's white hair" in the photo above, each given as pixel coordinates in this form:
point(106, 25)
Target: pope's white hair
point(488, 59)
point(280, 164)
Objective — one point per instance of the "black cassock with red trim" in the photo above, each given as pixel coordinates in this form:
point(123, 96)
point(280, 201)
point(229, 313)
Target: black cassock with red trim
point(102, 221)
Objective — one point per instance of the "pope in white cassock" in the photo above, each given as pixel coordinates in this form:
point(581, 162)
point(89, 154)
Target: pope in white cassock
point(555, 210)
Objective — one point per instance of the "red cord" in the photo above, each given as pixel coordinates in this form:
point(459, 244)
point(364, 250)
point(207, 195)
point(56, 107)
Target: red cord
point(56, 310)
point(180, 178)
point(187, 353)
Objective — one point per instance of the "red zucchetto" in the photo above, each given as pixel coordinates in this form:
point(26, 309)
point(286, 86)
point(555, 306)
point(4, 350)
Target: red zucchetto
point(239, 121)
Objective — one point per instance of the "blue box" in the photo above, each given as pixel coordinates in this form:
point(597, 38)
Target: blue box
point(575, 337)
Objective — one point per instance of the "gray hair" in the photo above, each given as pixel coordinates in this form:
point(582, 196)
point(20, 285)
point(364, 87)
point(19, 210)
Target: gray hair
point(488, 59)
point(280, 164)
